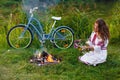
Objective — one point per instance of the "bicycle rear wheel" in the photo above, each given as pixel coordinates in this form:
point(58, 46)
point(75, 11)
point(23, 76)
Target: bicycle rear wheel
point(19, 38)
point(63, 37)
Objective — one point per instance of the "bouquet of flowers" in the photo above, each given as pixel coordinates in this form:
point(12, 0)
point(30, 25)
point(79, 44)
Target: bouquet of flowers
point(81, 46)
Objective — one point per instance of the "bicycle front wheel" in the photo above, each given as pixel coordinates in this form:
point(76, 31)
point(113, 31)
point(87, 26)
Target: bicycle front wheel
point(19, 37)
point(63, 37)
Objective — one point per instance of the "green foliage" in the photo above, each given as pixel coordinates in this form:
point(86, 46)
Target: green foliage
point(80, 16)
point(75, 18)
point(114, 22)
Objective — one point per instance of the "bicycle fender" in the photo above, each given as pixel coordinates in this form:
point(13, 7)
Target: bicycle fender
point(22, 24)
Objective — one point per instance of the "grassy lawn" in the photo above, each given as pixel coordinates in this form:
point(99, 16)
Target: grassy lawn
point(14, 65)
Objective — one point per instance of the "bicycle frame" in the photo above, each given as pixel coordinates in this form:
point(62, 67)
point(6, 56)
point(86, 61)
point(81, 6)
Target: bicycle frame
point(40, 33)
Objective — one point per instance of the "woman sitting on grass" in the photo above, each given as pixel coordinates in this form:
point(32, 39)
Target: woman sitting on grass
point(97, 44)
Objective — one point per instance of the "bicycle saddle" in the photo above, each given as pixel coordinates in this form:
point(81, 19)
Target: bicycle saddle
point(56, 18)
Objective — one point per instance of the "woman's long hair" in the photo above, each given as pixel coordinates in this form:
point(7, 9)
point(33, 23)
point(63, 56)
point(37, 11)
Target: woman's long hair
point(103, 29)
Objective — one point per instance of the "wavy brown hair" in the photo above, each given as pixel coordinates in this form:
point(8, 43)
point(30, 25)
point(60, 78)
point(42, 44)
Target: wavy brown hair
point(103, 29)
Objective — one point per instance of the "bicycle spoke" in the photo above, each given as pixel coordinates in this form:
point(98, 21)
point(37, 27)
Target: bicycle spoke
point(63, 38)
point(17, 38)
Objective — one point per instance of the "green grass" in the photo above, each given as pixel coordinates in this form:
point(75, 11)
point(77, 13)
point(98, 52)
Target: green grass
point(14, 65)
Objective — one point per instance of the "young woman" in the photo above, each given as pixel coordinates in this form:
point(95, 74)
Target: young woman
point(97, 44)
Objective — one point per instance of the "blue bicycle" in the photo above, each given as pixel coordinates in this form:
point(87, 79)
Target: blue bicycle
point(21, 36)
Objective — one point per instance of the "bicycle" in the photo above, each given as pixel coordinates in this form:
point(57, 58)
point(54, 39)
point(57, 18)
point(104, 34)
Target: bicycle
point(21, 36)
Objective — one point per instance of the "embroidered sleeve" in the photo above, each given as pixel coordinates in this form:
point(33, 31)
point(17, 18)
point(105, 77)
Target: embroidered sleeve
point(105, 44)
point(89, 42)
point(102, 45)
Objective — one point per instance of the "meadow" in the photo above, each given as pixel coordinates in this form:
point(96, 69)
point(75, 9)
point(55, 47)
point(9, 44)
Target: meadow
point(15, 65)
point(80, 16)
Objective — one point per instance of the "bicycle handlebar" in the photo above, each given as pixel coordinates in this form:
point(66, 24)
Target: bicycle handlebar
point(32, 10)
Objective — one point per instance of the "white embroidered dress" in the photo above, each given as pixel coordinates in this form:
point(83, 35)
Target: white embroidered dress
point(99, 54)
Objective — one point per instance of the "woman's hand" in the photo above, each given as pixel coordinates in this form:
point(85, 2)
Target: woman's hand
point(91, 48)
point(88, 48)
